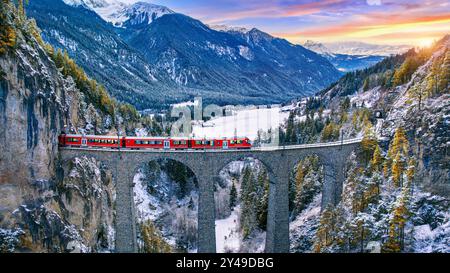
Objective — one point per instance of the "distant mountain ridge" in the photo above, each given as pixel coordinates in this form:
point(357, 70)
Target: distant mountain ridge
point(344, 62)
point(150, 56)
point(359, 48)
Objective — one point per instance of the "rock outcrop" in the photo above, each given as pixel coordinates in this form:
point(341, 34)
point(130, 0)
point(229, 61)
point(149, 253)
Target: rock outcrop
point(44, 206)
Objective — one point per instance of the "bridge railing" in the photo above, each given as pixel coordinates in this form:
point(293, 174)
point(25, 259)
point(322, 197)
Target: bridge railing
point(311, 145)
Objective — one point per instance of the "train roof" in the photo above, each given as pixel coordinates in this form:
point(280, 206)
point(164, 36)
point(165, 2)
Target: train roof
point(93, 136)
point(152, 137)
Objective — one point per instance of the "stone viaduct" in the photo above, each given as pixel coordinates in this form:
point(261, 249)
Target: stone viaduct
point(206, 165)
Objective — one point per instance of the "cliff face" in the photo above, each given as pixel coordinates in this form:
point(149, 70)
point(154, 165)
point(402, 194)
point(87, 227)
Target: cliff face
point(41, 209)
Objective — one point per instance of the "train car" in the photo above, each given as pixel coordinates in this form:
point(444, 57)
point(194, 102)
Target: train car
point(205, 143)
point(90, 141)
point(103, 141)
point(239, 143)
point(156, 143)
point(144, 142)
point(71, 140)
point(233, 143)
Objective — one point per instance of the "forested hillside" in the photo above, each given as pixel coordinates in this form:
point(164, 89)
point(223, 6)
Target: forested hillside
point(396, 194)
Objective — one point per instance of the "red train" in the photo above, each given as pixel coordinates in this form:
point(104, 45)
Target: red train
point(68, 140)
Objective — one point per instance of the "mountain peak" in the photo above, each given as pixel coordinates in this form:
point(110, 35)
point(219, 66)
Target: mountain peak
point(140, 13)
point(316, 47)
point(225, 28)
point(121, 14)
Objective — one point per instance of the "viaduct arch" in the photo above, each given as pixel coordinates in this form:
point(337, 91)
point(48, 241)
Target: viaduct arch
point(206, 165)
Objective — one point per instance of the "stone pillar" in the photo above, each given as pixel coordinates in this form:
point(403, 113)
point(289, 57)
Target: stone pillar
point(206, 212)
point(277, 236)
point(125, 212)
point(332, 183)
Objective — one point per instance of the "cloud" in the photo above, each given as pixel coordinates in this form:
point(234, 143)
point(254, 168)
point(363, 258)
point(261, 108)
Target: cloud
point(374, 2)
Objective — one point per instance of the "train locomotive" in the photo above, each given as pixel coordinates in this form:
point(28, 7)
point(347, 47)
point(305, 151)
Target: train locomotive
point(166, 143)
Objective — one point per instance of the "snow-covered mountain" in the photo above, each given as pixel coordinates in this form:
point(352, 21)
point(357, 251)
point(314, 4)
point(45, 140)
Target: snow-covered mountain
point(226, 28)
point(360, 48)
point(318, 47)
point(343, 62)
point(121, 14)
point(136, 14)
point(159, 57)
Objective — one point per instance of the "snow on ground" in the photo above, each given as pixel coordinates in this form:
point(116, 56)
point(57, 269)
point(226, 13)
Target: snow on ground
point(147, 206)
point(302, 229)
point(228, 237)
point(367, 98)
point(244, 122)
point(428, 240)
point(141, 132)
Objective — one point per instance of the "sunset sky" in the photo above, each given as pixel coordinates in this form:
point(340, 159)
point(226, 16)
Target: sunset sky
point(375, 21)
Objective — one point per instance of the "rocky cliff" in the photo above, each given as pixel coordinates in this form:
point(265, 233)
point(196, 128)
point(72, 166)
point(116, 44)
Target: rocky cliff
point(44, 206)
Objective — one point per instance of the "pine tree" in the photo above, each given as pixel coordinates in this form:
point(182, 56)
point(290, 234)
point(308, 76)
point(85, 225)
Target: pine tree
point(263, 207)
point(410, 172)
point(399, 217)
point(324, 236)
point(330, 132)
point(405, 71)
point(366, 84)
point(369, 141)
point(399, 144)
point(291, 136)
point(248, 219)
point(397, 170)
point(153, 240)
point(397, 157)
point(233, 196)
point(377, 159)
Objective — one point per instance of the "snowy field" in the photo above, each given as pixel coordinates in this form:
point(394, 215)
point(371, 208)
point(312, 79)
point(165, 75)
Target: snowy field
point(227, 233)
point(245, 122)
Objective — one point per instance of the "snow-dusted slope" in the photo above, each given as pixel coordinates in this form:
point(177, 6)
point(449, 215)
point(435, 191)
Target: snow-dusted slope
point(121, 14)
point(136, 14)
point(226, 28)
point(317, 47)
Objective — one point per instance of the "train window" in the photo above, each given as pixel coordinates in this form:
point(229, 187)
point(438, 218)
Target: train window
point(138, 142)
